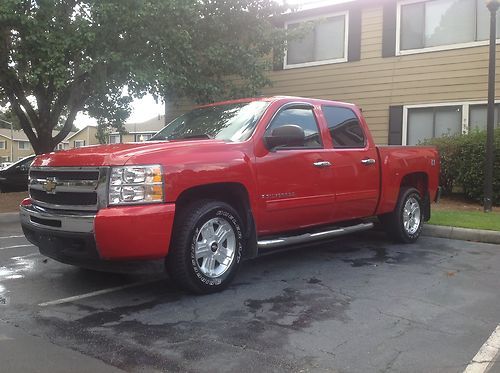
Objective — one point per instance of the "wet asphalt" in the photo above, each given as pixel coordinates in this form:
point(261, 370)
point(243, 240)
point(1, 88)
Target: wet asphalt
point(357, 304)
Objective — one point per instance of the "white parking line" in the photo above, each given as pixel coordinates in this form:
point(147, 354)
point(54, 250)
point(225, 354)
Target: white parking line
point(26, 256)
point(5, 237)
point(93, 294)
point(485, 358)
point(16, 247)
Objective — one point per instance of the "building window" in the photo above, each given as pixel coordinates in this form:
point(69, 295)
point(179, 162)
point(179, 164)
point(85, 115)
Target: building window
point(325, 43)
point(442, 24)
point(24, 145)
point(4, 159)
point(422, 122)
point(3, 145)
point(61, 146)
point(114, 139)
point(79, 143)
point(344, 127)
point(142, 137)
point(478, 115)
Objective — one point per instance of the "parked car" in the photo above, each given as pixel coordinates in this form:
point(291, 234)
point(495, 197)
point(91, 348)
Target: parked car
point(5, 165)
point(14, 178)
point(224, 182)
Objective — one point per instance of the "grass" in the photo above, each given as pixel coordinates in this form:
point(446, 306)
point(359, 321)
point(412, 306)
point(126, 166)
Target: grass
point(466, 219)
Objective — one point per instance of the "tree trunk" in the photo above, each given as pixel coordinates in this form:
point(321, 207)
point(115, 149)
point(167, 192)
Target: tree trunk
point(44, 142)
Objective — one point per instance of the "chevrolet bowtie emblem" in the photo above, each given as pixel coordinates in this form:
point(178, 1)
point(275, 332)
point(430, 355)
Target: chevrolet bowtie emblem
point(50, 185)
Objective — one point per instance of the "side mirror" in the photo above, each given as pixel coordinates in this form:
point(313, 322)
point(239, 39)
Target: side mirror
point(286, 135)
point(24, 168)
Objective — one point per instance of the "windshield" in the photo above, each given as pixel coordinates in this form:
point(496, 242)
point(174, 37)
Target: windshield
point(231, 122)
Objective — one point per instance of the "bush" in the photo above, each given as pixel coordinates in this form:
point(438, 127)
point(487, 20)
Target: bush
point(463, 161)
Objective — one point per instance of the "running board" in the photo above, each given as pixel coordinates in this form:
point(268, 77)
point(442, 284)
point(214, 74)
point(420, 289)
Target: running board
point(311, 237)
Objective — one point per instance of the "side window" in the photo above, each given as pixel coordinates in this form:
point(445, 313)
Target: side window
point(344, 126)
point(304, 118)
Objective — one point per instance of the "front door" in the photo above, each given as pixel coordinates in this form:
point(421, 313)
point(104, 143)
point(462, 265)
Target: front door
point(294, 182)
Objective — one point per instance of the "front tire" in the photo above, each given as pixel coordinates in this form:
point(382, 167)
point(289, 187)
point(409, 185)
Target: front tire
point(207, 247)
point(405, 223)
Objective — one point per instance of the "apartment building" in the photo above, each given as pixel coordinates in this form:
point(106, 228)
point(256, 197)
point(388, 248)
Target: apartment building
point(16, 147)
point(138, 132)
point(84, 137)
point(417, 68)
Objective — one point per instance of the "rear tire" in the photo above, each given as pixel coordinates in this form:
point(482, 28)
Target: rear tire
point(207, 247)
point(405, 223)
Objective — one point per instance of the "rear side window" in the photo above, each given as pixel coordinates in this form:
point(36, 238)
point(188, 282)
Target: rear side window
point(344, 127)
point(302, 117)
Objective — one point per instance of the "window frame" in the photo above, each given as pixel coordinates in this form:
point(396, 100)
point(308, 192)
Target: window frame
point(115, 135)
point(345, 13)
point(465, 114)
point(446, 47)
point(297, 105)
point(4, 145)
point(24, 145)
point(365, 138)
point(78, 141)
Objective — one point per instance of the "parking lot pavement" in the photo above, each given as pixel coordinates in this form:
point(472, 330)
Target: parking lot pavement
point(359, 304)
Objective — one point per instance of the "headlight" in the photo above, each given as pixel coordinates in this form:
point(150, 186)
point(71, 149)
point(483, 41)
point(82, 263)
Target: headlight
point(135, 184)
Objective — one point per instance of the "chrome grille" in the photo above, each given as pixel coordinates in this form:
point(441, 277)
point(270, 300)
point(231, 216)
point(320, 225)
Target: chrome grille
point(69, 188)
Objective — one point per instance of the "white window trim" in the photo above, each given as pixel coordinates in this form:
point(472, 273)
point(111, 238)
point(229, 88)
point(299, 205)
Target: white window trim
point(3, 146)
point(79, 142)
point(465, 114)
point(23, 142)
point(114, 135)
point(447, 47)
point(287, 66)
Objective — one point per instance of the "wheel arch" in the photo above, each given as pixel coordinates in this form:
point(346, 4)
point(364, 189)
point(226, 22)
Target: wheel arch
point(419, 181)
point(232, 193)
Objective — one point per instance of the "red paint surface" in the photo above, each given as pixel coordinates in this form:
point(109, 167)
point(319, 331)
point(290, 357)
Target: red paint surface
point(134, 232)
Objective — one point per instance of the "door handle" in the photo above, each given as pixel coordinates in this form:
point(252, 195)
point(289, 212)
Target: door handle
point(368, 162)
point(322, 164)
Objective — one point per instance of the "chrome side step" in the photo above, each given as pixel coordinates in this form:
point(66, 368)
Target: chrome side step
point(311, 237)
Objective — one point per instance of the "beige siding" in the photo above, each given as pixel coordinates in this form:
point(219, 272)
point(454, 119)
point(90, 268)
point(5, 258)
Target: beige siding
point(375, 83)
point(128, 138)
point(92, 132)
point(17, 153)
point(88, 134)
point(5, 151)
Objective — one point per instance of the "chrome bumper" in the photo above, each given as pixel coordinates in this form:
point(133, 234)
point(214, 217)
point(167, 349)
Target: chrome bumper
point(42, 218)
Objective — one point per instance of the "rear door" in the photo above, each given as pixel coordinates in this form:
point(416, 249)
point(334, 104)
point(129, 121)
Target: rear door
point(295, 183)
point(354, 160)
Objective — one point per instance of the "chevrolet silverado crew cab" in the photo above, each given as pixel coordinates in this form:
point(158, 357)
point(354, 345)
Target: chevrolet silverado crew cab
point(224, 182)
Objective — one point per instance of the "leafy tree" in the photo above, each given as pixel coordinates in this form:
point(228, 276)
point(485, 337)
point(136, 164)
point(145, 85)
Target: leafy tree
point(60, 57)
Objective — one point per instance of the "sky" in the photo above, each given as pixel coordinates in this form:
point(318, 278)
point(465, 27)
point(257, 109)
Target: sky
point(142, 110)
point(146, 108)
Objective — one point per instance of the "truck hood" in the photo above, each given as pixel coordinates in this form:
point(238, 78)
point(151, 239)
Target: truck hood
point(120, 154)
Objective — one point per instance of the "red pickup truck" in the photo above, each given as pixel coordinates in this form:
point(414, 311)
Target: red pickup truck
point(225, 182)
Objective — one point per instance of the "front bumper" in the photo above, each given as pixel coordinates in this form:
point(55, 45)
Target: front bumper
point(117, 233)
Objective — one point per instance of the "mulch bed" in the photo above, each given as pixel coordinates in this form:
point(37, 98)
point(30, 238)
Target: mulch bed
point(9, 202)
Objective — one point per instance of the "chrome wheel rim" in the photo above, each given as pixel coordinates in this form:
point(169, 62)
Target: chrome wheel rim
point(215, 247)
point(411, 215)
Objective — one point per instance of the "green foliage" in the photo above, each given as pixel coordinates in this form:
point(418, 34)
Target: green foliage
point(463, 163)
point(59, 57)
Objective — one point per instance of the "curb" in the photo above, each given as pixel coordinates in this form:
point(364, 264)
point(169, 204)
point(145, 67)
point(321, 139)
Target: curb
point(9, 217)
point(464, 234)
